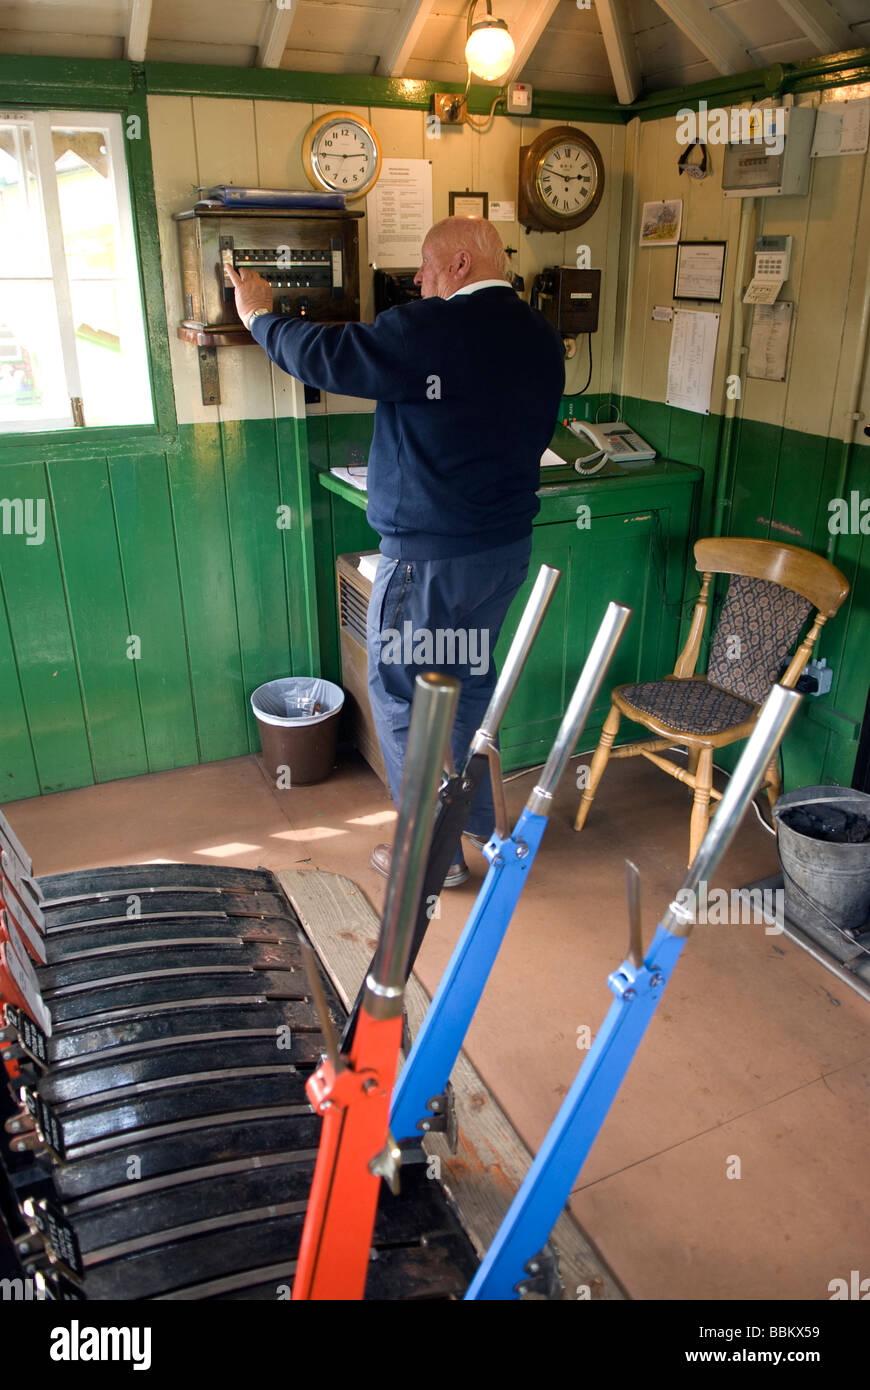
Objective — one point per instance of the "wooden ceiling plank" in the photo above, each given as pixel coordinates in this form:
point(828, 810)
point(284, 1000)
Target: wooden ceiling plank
point(274, 33)
point(708, 34)
point(409, 26)
point(821, 24)
point(537, 16)
point(620, 48)
point(137, 31)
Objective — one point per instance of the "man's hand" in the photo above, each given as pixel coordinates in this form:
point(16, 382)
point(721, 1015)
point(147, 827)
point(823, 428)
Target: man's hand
point(252, 292)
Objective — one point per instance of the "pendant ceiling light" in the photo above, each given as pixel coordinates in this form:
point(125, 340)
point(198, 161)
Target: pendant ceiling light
point(489, 49)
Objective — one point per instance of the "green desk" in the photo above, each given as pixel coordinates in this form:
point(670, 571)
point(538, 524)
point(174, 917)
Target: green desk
point(631, 545)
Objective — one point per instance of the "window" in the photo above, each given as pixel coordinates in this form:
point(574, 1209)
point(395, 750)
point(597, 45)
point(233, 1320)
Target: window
point(72, 337)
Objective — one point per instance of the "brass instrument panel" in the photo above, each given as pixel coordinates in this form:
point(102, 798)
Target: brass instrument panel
point(310, 258)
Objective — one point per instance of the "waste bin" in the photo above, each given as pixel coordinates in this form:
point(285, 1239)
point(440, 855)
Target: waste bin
point(823, 838)
point(298, 722)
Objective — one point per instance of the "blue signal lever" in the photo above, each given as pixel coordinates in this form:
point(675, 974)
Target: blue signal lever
point(638, 985)
point(424, 1078)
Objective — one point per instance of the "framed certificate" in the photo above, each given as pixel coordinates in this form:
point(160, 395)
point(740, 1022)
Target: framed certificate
point(700, 271)
point(468, 204)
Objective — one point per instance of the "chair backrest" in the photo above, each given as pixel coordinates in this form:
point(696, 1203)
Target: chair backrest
point(772, 592)
point(800, 570)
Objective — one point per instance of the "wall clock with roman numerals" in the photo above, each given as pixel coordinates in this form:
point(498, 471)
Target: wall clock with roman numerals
point(561, 180)
point(342, 153)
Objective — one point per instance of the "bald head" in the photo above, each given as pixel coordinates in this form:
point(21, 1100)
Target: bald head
point(459, 251)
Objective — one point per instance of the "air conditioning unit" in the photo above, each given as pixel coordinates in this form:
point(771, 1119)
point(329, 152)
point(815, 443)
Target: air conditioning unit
point(354, 591)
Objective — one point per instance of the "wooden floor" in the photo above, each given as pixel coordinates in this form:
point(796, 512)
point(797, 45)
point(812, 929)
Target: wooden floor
point(731, 1165)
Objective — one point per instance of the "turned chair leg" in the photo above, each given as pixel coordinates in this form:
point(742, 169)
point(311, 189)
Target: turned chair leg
point(774, 782)
point(701, 803)
point(599, 763)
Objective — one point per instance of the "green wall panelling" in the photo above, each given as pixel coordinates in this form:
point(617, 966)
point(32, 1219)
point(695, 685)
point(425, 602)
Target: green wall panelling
point(350, 438)
point(18, 775)
point(253, 494)
point(795, 508)
point(754, 470)
point(318, 441)
point(40, 633)
point(99, 620)
point(140, 490)
point(298, 542)
point(199, 504)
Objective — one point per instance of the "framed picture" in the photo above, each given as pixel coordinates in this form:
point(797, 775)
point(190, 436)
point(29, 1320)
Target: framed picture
point(468, 204)
point(660, 223)
point(700, 271)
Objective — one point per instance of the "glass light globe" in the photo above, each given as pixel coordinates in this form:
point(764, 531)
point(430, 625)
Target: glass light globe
point(489, 51)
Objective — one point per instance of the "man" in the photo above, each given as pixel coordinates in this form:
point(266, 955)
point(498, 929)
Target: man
point(468, 383)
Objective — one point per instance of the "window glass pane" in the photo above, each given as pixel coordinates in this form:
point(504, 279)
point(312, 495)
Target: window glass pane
point(114, 391)
point(33, 391)
point(107, 315)
point(86, 193)
point(23, 246)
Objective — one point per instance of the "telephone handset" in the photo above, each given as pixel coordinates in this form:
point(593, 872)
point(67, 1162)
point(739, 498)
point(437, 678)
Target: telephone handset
point(616, 440)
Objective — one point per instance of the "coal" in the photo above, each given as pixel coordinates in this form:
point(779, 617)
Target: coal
point(829, 823)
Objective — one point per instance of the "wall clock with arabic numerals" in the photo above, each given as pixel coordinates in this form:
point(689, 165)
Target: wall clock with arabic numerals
point(342, 153)
point(561, 180)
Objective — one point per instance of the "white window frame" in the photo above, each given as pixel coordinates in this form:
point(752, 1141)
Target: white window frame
point(126, 277)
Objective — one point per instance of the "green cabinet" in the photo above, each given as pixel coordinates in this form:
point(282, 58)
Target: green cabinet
point(620, 536)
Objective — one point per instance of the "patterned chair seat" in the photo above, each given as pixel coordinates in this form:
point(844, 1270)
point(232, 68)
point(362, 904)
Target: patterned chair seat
point(691, 706)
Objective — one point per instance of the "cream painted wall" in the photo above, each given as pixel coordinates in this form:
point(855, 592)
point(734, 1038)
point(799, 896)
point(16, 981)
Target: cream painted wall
point(203, 140)
point(831, 249)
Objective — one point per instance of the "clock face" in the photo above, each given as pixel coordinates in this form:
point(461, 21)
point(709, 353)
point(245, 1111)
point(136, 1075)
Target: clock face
point(567, 179)
point(345, 156)
point(561, 180)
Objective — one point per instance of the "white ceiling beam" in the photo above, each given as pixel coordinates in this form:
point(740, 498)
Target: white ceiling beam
point(409, 26)
point(620, 48)
point(821, 24)
point(707, 32)
point(137, 31)
point(536, 17)
point(275, 32)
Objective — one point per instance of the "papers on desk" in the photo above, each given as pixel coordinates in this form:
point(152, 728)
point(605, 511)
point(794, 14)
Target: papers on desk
point(368, 565)
point(357, 476)
point(549, 459)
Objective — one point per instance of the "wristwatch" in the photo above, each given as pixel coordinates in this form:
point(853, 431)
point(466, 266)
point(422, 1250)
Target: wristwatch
point(255, 314)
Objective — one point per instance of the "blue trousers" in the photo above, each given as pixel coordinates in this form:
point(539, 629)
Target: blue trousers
point(439, 615)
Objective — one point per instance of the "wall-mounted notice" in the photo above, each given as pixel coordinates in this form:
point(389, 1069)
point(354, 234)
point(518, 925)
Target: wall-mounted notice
point(768, 341)
point(690, 367)
point(399, 213)
point(842, 127)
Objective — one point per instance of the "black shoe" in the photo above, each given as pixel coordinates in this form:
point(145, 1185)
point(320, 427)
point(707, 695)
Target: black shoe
point(382, 855)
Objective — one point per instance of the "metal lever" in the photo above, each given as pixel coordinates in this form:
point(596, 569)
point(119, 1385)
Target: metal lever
point(638, 985)
point(574, 719)
point(776, 714)
point(527, 630)
point(635, 931)
point(432, 715)
point(438, 1043)
point(315, 984)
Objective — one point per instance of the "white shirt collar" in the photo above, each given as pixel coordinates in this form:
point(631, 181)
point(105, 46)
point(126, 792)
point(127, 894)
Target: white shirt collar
point(480, 285)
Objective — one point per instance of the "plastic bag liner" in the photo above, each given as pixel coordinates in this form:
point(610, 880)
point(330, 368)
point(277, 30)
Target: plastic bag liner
point(292, 701)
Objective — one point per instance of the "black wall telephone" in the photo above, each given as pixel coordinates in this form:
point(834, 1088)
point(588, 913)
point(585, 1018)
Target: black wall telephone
point(568, 298)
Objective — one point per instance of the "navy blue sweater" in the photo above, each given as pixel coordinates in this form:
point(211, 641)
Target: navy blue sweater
point(468, 393)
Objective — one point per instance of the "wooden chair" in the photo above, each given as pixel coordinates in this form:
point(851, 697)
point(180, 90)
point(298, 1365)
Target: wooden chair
point(772, 591)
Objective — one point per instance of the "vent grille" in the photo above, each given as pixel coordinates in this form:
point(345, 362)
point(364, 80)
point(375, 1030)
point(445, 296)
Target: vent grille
point(352, 608)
